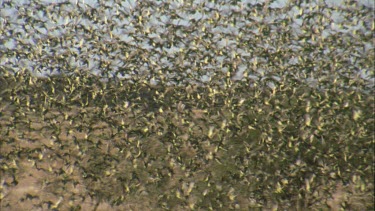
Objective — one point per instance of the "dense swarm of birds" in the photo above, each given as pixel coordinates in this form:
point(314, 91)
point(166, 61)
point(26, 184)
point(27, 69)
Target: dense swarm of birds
point(186, 105)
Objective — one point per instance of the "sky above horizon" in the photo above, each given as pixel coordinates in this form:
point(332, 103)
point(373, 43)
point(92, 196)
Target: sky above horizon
point(226, 35)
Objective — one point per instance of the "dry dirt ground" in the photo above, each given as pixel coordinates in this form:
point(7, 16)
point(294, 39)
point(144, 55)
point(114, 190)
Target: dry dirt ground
point(41, 169)
point(36, 173)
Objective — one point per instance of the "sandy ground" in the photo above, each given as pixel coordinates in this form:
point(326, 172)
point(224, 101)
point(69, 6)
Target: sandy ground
point(32, 163)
